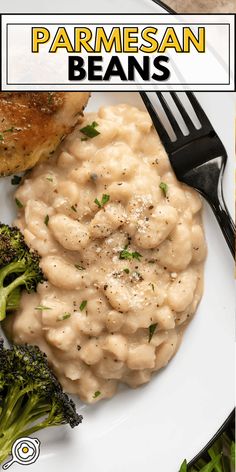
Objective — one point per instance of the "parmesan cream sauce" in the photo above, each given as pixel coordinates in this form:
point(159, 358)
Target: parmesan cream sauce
point(123, 280)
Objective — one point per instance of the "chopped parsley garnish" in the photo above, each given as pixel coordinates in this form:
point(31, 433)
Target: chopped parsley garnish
point(42, 308)
point(46, 220)
point(164, 187)
point(124, 254)
point(83, 305)
point(96, 394)
point(18, 203)
point(79, 267)
point(65, 316)
point(73, 208)
point(152, 329)
point(126, 271)
point(90, 130)
point(152, 285)
point(50, 97)
point(16, 179)
point(104, 200)
point(9, 130)
point(50, 179)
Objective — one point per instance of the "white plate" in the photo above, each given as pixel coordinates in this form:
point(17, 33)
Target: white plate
point(156, 426)
point(174, 416)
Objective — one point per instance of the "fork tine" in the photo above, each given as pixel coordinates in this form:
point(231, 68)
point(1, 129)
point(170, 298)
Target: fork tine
point(156, 121)
point(170, 115)
point(182, 111)
point(198, 110)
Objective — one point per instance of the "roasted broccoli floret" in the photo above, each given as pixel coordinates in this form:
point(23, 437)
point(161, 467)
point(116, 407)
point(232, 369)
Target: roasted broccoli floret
point(11, 244)
point(30, 396)
point(19, 268)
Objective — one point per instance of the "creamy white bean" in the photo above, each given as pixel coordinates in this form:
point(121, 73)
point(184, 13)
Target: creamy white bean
point(124, 279)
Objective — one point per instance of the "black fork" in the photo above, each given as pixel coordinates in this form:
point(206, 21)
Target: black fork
point(198, 159)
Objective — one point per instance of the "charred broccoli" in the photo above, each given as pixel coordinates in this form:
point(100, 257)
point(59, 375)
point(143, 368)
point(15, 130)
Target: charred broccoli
point(19, 268)
point(30, 396)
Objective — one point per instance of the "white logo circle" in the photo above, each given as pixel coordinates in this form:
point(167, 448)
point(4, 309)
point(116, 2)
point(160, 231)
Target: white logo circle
point(25, 451)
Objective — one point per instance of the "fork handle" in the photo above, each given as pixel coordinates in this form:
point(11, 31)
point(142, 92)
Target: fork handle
point(223, 217)
point(208, 180)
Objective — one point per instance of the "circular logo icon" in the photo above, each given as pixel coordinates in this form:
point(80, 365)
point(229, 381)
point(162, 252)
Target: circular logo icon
point(25, 451)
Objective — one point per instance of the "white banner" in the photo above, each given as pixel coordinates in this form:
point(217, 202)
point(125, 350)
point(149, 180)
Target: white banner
point(118, 52)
